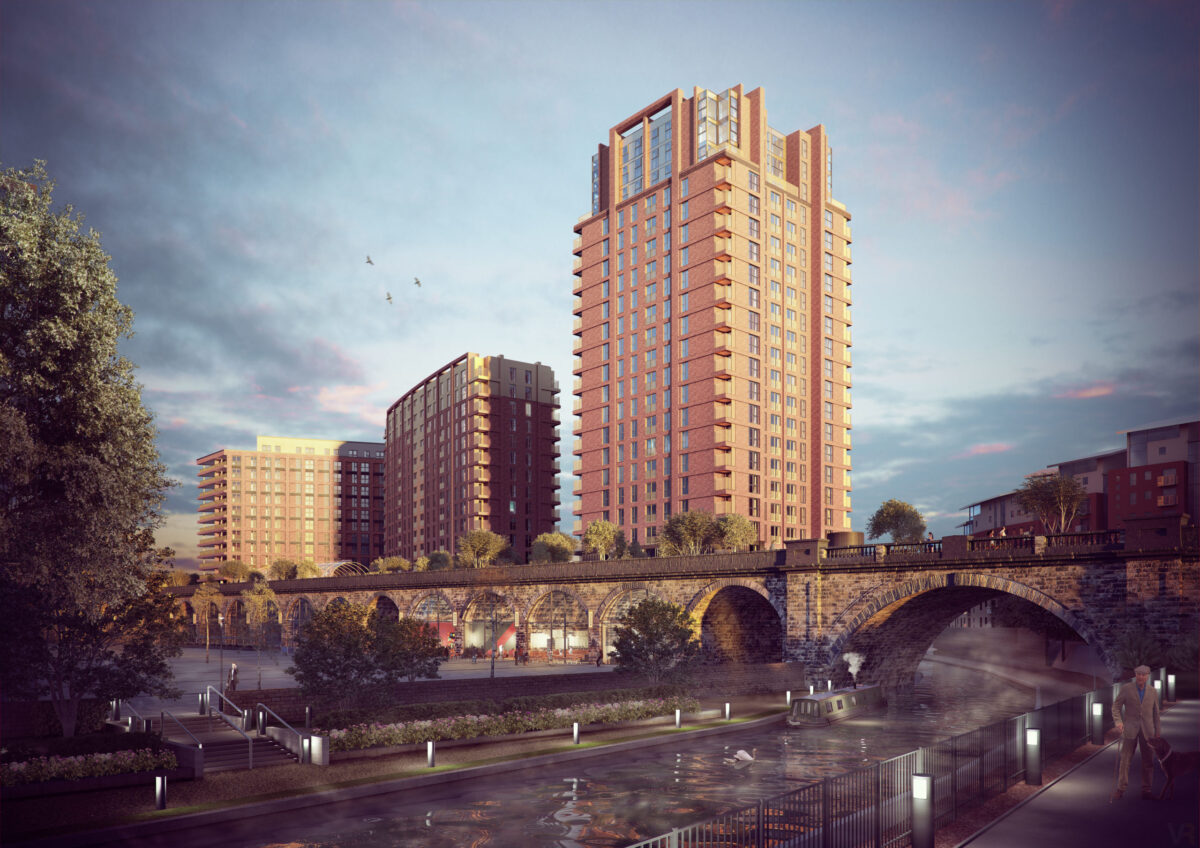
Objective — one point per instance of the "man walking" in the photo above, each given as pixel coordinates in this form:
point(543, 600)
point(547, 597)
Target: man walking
point(1136, 714)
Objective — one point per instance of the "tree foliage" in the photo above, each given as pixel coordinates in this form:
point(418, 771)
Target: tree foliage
point(735, 532)
point(552, 547)
point(687, 534)
point(262, 611)
point(347, 656)
point(391, 565)
point(899, 519)
point(600, 538)
point(477, 548)
point(81, 484)
point(656, 639)
point(1053, 498)
point(234, 570)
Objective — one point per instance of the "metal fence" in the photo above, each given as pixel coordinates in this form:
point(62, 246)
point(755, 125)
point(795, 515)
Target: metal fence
point(871, 807)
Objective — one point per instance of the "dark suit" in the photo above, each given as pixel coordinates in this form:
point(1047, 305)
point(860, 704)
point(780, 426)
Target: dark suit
point(1142, 720)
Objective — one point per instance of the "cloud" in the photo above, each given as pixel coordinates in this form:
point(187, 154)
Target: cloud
point(984, 450)
point(353, 400)
point(1102, 389)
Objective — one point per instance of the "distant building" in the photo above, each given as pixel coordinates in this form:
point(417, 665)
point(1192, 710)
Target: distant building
point(712, 323)
point(474, 446)
point(1156, 475)
point(292, 498)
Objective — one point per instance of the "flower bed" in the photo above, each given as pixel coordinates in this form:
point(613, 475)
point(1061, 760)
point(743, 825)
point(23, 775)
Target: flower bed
point(41, 769)
point(361, 736)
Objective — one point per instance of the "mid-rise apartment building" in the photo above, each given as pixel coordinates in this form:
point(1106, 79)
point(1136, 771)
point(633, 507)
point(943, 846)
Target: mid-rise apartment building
point(292, 498)
point(474, 446)
point(712, 323)
point(1155, 476)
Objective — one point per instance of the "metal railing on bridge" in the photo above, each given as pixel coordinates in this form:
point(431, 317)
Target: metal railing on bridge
point(872, 807)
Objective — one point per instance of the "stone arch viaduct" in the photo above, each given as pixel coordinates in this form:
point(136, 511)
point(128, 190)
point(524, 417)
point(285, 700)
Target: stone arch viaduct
point(807, 603)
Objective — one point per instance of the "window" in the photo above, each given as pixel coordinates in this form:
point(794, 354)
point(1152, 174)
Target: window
point(753, 177)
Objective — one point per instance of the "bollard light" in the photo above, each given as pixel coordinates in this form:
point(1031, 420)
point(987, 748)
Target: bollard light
point(678, 719)
point(201, 705)
point(1033, 756)
point(922, 811)
point(575, 732)
point(430, 752)
point(727, 711)
point(160, 792)
point(306, 749)
point(811, 687)
point(788, 697)
point(1158, 688)
point(1097, 723)
point(829, 685)
point(308, 718)
point(1171, 688)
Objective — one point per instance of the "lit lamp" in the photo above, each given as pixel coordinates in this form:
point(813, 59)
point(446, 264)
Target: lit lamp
point(1097, 723)
point(160, 791)
point(788, 697)
point(922, 811)
point(1033, 756)
point(1171, 688)
point(431, 753)
point(1158, 689)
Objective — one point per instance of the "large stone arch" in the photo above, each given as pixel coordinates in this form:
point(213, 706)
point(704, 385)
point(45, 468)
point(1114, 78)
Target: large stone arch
point(893, 625)
point(298, 613)
point(476, 624)
point(612, 606)
point(385, 606)
point(556, 621)
point(436, 609)
point(738, 621)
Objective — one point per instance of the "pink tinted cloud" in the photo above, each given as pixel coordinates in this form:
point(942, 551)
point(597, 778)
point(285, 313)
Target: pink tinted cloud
point(1101, 389)
point(352, 400)
point(984, 450)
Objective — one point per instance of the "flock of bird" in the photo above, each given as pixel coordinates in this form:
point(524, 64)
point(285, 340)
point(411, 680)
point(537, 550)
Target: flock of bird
point(416, 280)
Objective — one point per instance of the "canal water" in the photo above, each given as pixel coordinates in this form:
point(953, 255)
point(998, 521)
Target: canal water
point(613, 801)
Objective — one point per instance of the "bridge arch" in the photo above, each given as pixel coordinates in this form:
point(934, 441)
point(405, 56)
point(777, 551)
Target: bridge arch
point(489, 620)
point(385, 607)
point(893, 625)
point(299, 613)
point(552, 613)
point(738, 622)
point(612, 607)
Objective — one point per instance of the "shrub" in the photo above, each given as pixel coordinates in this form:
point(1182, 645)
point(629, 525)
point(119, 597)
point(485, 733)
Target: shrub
point(41, 769)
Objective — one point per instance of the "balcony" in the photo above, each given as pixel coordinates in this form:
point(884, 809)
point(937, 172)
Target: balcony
point(723, 225)
point(723, 413)
point(577, 406)
point(723, 202)
point(479, 474)
point(722, 436)
point(723, 320)
point(577, 469)
point(480, 508)
point(724, 177)
point(723, 273)
point(723, 249)
point(479, 457)
point(723, 295)
point(1164, 480)
point(556, 466)
point(1168, 500)
point(723, 485)
point(723, 462)
point(723, 392)
point(481, 491)
point(577, 245)
point(577, 287)
point(577, 266)
point(481, 440)
point(577, 326)
point(723, 369)
point(577, 447)
point(480, 407)
point(721, 343)
point(577, 386)
point(577, 306)
point(577, 348)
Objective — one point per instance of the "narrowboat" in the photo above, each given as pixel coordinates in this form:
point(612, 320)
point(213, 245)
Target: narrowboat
point(824, 708)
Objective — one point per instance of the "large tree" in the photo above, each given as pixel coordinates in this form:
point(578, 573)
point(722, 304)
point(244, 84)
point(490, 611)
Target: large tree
point(203, 598)
point(477, 548)
point(262, 611)
point(1054, 498)
point(899, 519)
point(687, 533)
point(656, 639)
point(81, 484)
point(600, 538)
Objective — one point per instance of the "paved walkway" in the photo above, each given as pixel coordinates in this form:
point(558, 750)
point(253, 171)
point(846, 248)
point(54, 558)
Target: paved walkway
point(192, 673)
point(1075, 811)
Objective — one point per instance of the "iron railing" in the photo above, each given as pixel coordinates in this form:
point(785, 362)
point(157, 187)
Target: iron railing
point(871, 807)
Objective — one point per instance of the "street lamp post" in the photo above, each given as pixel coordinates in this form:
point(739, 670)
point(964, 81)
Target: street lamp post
point(221, 670)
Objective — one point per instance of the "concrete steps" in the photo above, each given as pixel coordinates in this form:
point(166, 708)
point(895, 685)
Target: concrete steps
point(224, 748)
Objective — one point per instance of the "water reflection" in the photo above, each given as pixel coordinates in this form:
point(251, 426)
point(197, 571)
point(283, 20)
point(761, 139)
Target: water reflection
point(616, 800)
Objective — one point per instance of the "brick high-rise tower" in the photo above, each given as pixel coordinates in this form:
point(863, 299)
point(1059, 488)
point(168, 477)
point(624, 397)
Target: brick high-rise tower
point(474, 446)
point(712, 318)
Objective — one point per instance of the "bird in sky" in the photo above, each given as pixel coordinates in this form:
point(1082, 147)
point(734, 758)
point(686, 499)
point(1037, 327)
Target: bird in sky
point(416, 282)
point(389, 297)
point(369, 262)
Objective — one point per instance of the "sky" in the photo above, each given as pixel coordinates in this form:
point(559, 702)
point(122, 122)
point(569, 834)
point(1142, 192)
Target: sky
point(1023, 180)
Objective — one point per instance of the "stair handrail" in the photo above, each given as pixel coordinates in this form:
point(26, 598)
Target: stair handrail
point(162, 720)
point(133, 710)
point(279, 718)
point(241, 713)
